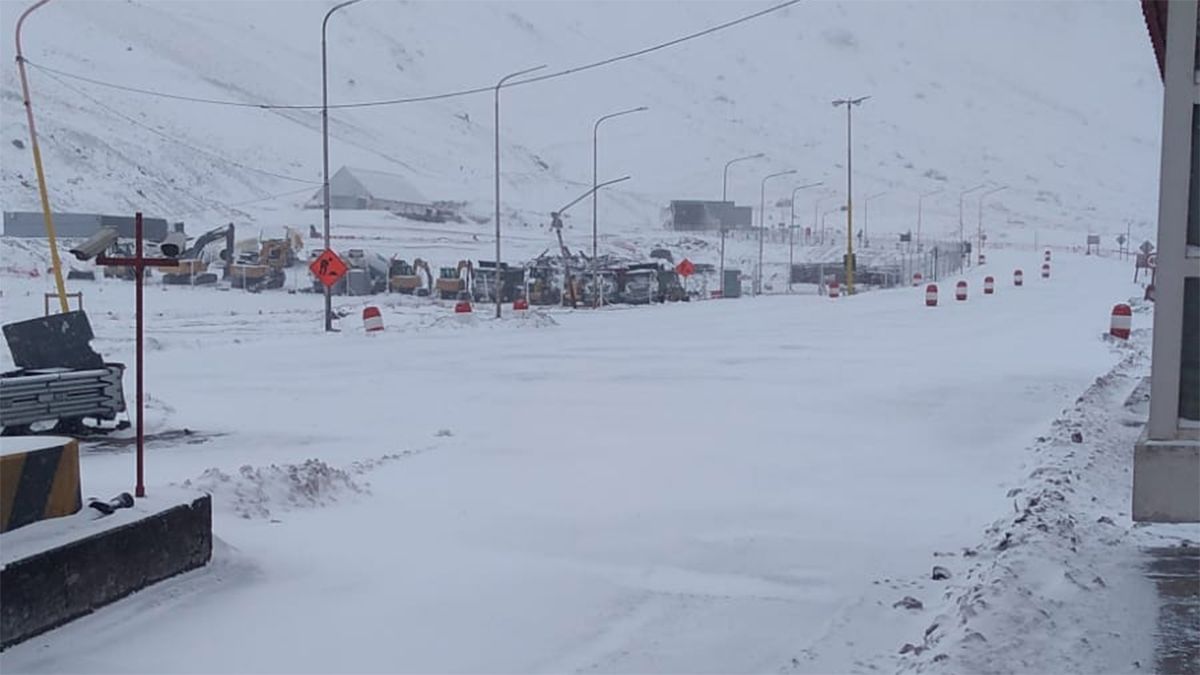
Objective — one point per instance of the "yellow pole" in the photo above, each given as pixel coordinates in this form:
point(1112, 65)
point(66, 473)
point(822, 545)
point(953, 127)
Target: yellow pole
point(37, 165)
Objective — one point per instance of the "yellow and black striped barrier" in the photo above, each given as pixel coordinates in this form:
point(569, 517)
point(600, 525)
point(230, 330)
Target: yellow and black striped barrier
point(39, 479)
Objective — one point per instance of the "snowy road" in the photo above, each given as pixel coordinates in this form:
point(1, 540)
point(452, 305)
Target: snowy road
point(702, 488)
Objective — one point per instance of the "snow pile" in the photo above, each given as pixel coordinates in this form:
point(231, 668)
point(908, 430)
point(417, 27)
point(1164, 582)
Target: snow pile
point(1039, 592)
point(532, 319)
point(254, 491)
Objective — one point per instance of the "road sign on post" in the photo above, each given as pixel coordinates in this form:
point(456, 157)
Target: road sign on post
point(685, 268)
point(328, 268)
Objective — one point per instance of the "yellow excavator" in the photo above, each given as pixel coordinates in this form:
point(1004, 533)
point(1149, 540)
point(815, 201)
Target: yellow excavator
point(192, 267)
point(406, 279)
point(452, 280)
point(263, 265)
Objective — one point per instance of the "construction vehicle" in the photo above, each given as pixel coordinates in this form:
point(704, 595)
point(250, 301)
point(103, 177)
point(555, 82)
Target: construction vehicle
point(368, 273)
point(123, 250)
point(193, 262)
point(452, 281)
point(509, 280)
point(405, 278)
point(600, 287)
point(542, 283)
point(260, 264)
point(670, 289)
point(638, 284)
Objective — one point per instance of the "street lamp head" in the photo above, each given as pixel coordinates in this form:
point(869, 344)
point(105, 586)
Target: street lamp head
point(334, 9)
point(508, 77)
point(850, 101)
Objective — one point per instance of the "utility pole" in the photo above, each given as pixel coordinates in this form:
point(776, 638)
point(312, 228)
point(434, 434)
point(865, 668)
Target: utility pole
point(792, 231)
point(980, 219)
point(921, 198)
point(595, 190)
point(724, 199)
point(849, 103)
point(867, 202)
point(762, 226)
point(47, 218)
point(499, 279)
point(962, 241)
point(325, 152)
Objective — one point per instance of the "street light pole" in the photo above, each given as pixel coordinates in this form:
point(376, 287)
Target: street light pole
point(499, 283)
point(961, 237)
point(47, 217)
point(725, 175)
point(979, 221)
point(725, 198)
point(921, 198)
point(762, 225)
point(866, 203)
point(595, 231)
point(829, 213)
point(849, 103)
point(818, 231)
point(325, 150)
point(792, 231)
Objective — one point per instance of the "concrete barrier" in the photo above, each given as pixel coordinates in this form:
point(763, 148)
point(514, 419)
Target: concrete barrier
point(39, 478)
point(100, 562)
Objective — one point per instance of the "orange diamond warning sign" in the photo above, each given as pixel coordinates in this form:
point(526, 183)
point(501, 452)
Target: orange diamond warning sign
point(328, 268)
point(685, 268)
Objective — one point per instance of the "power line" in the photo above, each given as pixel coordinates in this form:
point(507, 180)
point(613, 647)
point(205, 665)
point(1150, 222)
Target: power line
point(177, 141)
point(247, 202)
point(430, 97)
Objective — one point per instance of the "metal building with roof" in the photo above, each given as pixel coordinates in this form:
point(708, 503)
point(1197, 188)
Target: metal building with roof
point(352, 188)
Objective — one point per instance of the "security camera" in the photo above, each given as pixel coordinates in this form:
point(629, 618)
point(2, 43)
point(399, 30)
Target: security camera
point(173, 245)
point(98, 243)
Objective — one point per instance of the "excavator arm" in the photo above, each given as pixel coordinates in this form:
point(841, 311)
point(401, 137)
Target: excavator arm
point(419, 264)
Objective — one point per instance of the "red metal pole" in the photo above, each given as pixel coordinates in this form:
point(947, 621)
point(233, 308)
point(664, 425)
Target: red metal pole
point(139, 270)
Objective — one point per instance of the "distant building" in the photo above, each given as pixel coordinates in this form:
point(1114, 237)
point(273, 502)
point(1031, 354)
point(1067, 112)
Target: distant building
point(705, 215)
point(81, 225)
point(365, 189)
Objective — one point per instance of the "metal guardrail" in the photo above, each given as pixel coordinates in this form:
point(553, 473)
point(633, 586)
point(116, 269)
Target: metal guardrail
point(28, 396)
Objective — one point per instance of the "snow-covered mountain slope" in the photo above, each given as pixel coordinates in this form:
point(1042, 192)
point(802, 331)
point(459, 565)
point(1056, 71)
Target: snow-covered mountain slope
point(1058, 101)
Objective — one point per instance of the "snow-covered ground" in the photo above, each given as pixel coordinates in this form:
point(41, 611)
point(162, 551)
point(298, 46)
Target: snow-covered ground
point(719, 486)
point(722, 486)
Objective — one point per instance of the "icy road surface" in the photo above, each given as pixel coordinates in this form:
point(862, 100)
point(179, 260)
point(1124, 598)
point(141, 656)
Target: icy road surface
point(700, 487)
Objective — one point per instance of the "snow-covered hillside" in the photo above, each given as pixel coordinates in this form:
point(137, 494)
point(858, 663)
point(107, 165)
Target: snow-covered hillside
point(1059, 101)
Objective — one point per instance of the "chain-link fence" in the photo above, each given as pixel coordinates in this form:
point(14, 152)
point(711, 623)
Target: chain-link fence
point(886, 268)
